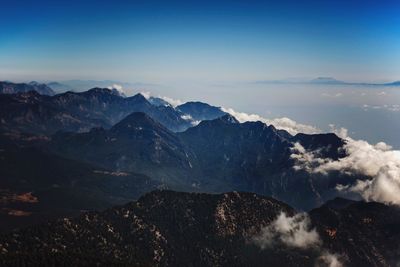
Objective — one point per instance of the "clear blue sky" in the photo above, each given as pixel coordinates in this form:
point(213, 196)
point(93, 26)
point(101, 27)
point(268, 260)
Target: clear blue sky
point(164, 41)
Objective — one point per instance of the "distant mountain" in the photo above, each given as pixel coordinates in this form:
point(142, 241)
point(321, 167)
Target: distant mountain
point(166, 228)
point(396, 83)
point(158, 101)
point(326, 80)
point(59, 87)
point(14, 88)
point(70, 111)
point(200, 111)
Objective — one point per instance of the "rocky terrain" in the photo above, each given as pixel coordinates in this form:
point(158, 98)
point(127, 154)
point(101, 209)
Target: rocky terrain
point(166, 228)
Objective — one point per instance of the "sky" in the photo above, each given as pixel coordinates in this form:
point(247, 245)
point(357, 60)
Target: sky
point(199, 41)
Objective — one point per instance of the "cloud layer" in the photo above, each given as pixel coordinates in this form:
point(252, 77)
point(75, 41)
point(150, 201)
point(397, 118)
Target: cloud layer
point(378, 167)
point(284, 123)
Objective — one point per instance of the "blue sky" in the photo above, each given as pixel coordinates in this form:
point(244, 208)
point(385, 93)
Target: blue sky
point(164, 41)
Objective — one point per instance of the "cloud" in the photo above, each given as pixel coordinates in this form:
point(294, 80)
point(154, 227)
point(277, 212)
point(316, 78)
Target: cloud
point(284, 123)
point(291, 231)
point(187, 117)
point(337, 95)
point(173, 102)
point(393, 108)
point(117, 87)
point(296, 232)
point(146, 94)
point(328, 259)
point(379, 164)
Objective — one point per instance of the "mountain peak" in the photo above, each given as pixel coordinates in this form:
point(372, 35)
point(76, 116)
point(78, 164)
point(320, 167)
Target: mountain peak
point(136, 121)
point(101, 91)
point(228, 118)
point(200, 111)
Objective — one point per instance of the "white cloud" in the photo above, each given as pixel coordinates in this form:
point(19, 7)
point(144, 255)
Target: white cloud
point(284, 123)
point(117, 87)
point(187, 117)
point(146, 94)
point(291, 231)
point(379, 163)
point(337, 95)
point(295, 231)
point(173, 102)
point(328, 260)
point(341, 132)
point(393, 108)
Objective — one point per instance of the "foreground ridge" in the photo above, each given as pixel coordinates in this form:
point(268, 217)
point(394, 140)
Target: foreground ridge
point(167, 228)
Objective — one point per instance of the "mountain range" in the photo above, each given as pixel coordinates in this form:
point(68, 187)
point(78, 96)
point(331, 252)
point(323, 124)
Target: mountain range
point(191, 147)
point(91, 178)
point(32, 112)
point(327, 81)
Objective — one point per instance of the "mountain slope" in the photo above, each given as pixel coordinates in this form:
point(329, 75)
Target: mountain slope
point(137, 143)
point(365, 234)
point(163, 228)
point(254, 157)
point(36, 186)
point(79, 112)
point(166, 228)
point(200, 111)
point(215, 156)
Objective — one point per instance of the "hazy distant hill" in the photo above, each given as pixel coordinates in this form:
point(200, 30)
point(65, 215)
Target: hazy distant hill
point(14, 88)
point(34, 113)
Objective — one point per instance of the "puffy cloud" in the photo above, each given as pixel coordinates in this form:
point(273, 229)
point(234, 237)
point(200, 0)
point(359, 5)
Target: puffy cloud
point(173, 102)
point(291, 231)
point(328, 259)
point(284, 123)
point(189, 118)
point(378, 163)
point(117, 87)
point(295, 231)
